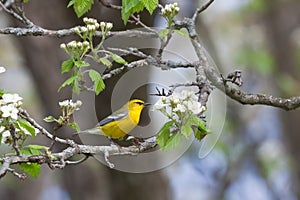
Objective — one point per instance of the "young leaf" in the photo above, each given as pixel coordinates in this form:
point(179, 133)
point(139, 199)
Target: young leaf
point(130, 7)
point(82, 6)
point(67, 82)
point(163, 33)
point(106, 62)
point(180, 32)
point(71, 3)
point(74, 125)
point(196, 121)
point(173, 141)
point(186, 130)
point(27, 126)
point(36, 147)
point(164, 134)
point(2, 92)
point(33, 169)
point(117, 58)
point(81, 63)
point(67, 65)
point(98, 81)
point(150, 5)
point(75, 87)
point(50, 119)
point(198, 134)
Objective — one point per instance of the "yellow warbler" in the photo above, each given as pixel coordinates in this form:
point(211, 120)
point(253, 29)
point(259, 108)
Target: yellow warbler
point(121, 122)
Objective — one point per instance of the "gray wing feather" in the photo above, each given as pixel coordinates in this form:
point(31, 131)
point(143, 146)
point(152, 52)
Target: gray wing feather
point(111, 118)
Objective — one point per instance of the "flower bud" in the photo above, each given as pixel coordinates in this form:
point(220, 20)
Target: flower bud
point(83, 29)
point(76, 30)
point(109, 25)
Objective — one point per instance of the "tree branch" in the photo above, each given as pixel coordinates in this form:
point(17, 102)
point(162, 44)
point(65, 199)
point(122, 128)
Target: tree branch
point(249, 98)
point(60, 159)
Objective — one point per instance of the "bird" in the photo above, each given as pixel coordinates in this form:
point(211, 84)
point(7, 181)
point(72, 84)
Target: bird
point(121, 122)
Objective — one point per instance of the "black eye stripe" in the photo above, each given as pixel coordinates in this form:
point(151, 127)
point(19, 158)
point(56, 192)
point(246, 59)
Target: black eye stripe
point(140, 103)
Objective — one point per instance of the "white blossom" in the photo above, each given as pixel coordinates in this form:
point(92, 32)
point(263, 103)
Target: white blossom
point(109, 25)
point(9, 111)
point(11, 98)
point(2, 69)
point(78, 103)
point(83, 29)
point(64, 103)
point(63, 46)
point(102, 25)
point(194, 106)
point(5, 136)
point(72, 44)
point(76, 30)
point(79, 44)
point(181, 108)
point(86, 20)
point(160, 104)
point(2, 128)
point(91, 27)
point(170, 9)
point(86, 44)
point(70, 104)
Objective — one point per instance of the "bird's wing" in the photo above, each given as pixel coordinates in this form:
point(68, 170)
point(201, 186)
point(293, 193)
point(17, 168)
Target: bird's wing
point(113, 117)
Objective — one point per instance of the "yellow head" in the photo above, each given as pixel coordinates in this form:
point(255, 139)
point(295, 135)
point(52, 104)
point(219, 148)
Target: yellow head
point(135, 105)
point(135, 108)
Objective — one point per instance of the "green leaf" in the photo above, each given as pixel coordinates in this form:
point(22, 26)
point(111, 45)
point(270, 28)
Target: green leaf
point(186, 130)
point(150, 5)
point(200, 125)
point(81, 63)
point(36, 147)
point(33, 169)
point(82, 6)
point(2, 92)
point(30, 151)
point(74, 125)
point(196, 121)
point(50, 119)
point(25, 1)
point(164, 134)
point(71, 3)
point(173, 141)
point(130, 7)
point(75, 87)
point(27, 126)
point(98, 81)
point(67, 66)
point(163, 33)
point(180, 32)
point(117, 58)
point(67, 82)
point(106, 62)
point(198, 134)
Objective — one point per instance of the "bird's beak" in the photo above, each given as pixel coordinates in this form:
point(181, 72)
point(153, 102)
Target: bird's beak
point(147, 104)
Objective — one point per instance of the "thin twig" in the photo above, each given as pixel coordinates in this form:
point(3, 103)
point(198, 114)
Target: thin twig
point(203, 8)
point(110, 5)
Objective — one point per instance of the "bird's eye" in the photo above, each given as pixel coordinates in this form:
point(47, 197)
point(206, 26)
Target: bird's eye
point(139, 103)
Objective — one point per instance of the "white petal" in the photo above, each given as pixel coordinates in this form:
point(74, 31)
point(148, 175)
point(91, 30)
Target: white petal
point(2, 69)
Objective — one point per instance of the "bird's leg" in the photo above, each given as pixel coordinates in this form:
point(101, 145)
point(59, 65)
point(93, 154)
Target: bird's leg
point(113, 143)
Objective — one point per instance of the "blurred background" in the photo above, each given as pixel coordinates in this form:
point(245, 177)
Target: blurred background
point(257, 155)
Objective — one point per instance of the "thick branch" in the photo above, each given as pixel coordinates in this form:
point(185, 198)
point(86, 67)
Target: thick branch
point(249, 98)
point(60, 159)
